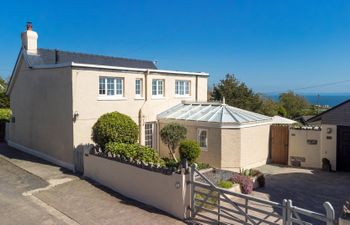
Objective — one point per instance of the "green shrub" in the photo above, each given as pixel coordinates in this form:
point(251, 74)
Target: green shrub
point(202, 166)
point(134, 152)
point(5, 115)
point(170, 163)
point(225, 184)
point(189, 150)
point(114, 127)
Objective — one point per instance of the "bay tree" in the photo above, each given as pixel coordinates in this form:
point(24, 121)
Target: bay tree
point(172, 134)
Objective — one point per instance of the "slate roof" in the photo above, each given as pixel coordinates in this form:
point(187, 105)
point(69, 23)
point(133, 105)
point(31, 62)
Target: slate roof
point(214, 113)
point(51, 56)
point(319, 116)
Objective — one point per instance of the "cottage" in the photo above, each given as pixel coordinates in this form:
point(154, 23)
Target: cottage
point(57, 96)
point(229, 137)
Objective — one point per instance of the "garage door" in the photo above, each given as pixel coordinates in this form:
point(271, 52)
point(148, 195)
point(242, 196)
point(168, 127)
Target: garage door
point(343, 148)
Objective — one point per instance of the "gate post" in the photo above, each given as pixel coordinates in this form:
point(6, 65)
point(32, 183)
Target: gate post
point(289, 212)
point(284, 212)
point(192, 204)
point(329, 213)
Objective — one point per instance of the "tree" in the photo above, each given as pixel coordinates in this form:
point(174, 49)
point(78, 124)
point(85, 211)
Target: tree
point(236, 94)
point(172, 134)
point(295, 105)
point(268, 107)
point(3, 85)
point(4, 100)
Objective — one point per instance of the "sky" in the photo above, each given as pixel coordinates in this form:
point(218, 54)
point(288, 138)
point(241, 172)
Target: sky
point(270, 45)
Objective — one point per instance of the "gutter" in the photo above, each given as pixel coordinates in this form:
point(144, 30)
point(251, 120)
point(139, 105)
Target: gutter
point(138, 69)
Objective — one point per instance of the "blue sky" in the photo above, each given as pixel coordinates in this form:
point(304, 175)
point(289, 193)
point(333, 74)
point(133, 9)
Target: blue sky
point(270, 45)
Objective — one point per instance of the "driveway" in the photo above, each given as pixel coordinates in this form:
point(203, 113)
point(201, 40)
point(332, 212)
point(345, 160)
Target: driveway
point(307, 188)
point(33, 191)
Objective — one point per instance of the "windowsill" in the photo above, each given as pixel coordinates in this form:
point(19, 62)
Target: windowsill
point(204, 149)
point(183, 96)
point(155, 97)
point(111, 98)
point(139, 98)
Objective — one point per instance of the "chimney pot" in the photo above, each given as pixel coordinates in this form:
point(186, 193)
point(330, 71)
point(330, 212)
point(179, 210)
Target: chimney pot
point(29, 26)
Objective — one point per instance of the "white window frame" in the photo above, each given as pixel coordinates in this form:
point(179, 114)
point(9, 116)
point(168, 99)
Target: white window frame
point(115, 95)
point(150, 137)
point(139, 96)
point(199, 131)
point(158, 89)
point(182, 91)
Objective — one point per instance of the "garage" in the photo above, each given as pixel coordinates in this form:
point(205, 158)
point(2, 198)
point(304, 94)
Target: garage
point(343, 148)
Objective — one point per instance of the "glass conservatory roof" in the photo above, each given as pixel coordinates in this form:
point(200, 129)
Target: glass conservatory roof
point(213, 112)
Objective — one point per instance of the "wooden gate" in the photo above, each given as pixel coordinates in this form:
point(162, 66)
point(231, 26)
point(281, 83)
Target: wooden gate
point(279, 142)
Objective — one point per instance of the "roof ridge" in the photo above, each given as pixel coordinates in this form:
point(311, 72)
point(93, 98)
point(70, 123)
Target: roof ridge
point(97, 55)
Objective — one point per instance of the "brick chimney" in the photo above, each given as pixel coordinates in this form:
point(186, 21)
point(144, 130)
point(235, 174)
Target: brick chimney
point(30, 39)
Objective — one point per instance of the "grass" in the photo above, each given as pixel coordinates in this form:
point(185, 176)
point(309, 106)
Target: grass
point(211, 202)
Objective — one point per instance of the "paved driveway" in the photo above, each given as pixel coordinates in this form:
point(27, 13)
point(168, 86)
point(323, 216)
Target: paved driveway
point(33, 191)
point(306, 188)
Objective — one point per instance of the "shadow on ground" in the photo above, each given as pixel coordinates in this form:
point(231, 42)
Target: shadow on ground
point(307, 189)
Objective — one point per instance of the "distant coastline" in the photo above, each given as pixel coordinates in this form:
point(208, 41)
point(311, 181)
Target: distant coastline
point(330, 99)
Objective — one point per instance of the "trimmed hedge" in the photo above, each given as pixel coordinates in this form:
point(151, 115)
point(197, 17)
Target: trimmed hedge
point(189, 150)
point(134, 152)
point(5, 115)
point(114, 127)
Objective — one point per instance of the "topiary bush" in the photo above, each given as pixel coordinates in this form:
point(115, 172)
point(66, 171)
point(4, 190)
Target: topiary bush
point(134, 152)
point(245, 183)
point(189, 150)
point(114, 127)
point(172, 134)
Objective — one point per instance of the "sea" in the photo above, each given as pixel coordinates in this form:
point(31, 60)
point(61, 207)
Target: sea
point(325, 99)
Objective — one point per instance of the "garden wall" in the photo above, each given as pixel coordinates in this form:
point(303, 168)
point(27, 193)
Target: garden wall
point(307, 147)
point(165, 192)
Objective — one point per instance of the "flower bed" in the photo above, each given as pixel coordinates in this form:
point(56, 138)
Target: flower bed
point(147, 166)
point(241, 182)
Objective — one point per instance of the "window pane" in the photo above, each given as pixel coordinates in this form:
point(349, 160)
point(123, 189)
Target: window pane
point(160, 87)
point(149, 134)
point(203, 139)
point(110, 86)
point(187, 88)
point(119, 90)
point(176, 87)
point(102, 86)
point(138, 87)
point(182, 88)
point(154, 87)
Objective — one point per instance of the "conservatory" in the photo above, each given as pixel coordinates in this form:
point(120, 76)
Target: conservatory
point(229, 137)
